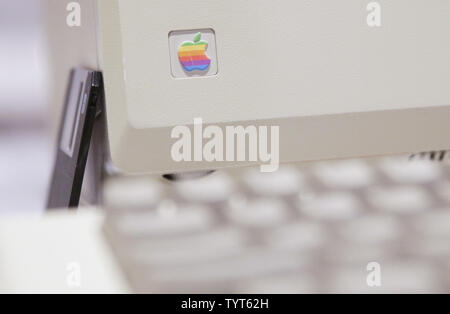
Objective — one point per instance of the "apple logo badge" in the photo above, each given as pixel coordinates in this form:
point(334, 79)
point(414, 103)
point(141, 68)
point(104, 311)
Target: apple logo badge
point(192, 54)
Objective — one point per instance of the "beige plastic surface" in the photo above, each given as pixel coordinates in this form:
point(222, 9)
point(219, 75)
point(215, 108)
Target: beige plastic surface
point(336, 87)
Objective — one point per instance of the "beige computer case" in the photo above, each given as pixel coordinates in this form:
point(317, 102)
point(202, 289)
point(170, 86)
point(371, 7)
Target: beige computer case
point(335, 86)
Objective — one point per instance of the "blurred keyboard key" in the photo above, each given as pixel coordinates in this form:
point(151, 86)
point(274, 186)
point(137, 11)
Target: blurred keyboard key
point(212, 188)
point(283, 182)
point(301, 235)
point(258, 212)
point(429, 248)
point(399, 199)
point(167, 208)
point(333, 206)
point(198, 247)
point(357, 254)
point(128, 193)
point(349, 174)
point(410, 172)
point(254, 263)
point(371, 229)
point(435, 223)
point(182, 220)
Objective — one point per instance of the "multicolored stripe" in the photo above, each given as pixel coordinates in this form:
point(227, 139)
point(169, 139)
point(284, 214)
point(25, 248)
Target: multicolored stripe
point(192, 56)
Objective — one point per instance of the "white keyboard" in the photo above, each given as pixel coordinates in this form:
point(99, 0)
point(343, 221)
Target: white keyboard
point(304, 229)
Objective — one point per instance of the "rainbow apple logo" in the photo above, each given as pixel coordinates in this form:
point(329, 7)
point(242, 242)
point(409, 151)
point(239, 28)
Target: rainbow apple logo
point(192, 55)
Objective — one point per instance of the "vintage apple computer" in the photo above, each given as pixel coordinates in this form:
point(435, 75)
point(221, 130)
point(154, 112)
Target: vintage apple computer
point(336, 84)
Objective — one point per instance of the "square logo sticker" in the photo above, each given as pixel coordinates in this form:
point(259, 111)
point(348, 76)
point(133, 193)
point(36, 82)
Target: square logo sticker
point(193, 53)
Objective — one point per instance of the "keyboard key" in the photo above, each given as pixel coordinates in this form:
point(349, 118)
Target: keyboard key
point(167, 208)
point(356, 253)
point(131, 193)
point(199, 247)
point(333, 206)
point(257, 213)
point(213, 188)
point(402, 170)
point(434, 224)
point(283, 182)
point(399, 199)
point(349, 174)
point(372, 229)
point(429, 248)
point(254, 263)
point(161, 222)
point(302, 235)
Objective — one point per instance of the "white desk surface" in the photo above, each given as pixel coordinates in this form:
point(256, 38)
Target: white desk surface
point(36, 251)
